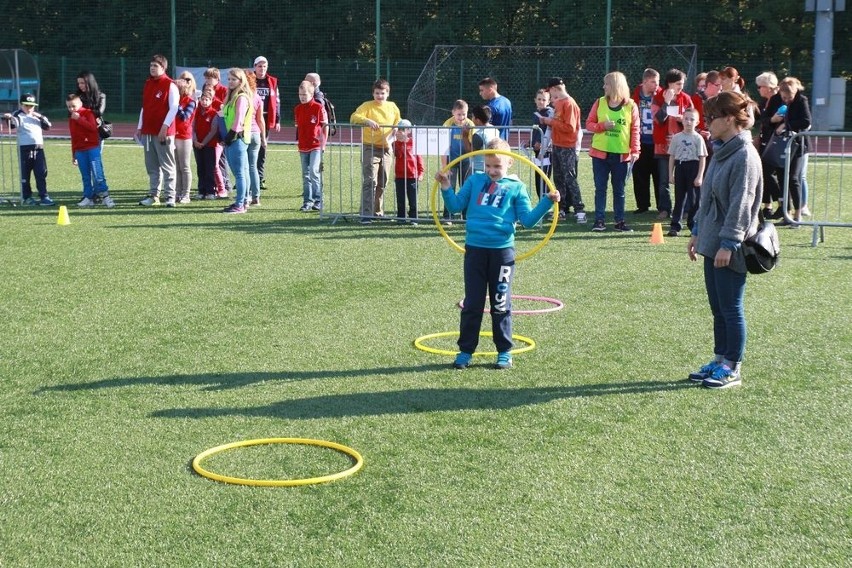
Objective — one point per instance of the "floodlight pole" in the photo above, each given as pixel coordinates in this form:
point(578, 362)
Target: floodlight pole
point(378, 38)
point(608, 39)
point(823, 51)
point(174, 36)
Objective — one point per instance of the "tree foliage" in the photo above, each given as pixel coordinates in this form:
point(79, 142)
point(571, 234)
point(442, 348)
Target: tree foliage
point(775, 34)
point(751, 35)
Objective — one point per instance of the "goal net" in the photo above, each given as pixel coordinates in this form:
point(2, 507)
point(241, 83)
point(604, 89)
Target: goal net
point(454, 71)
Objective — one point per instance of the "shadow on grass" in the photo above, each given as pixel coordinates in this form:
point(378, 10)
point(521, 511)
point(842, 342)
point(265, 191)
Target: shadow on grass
point(226, 381)
point(414, 401)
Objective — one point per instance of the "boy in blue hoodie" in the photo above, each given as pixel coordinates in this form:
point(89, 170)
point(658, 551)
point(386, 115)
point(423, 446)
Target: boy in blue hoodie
point(494, 202)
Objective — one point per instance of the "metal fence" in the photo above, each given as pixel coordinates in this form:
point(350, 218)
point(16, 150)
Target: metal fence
point(347, 82)
point(342, 172)
point(826, 175)
point(10, 175)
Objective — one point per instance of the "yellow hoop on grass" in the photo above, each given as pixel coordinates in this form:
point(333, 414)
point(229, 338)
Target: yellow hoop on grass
point(418, 343)
point(196, 463)
point(434, 200)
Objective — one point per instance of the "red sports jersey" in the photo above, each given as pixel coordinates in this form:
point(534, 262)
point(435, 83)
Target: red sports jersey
point(310, 119)
point(204, 122)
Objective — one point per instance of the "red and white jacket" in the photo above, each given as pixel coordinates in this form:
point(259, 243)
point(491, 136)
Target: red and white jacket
point(666, 126)
point(156, 105)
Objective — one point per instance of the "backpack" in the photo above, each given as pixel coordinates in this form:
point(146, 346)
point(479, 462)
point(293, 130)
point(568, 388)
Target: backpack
point(332, 118)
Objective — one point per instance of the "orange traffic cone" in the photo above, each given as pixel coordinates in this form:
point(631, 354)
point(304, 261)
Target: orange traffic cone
point(63, 216)
point(657, 235)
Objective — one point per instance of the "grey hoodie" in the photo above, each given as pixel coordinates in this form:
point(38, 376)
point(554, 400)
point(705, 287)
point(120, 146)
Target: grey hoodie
point(730, 198)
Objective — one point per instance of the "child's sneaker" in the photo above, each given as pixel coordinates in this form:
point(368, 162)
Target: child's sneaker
point(184, 200)
point(170, 202)
point(599, 226)
point(504, 360)
point(722, 378)
point(581, 217)
point(108, 202)
point(150, 201)
point(29, 201)
point(223, 194)
point(704, 372)
point(305, 208)
point(86, 202)
point(234, 208)
point(622, 227)
point(208, 196)
point(46, 201)
point(462, 360)
point(255, 202)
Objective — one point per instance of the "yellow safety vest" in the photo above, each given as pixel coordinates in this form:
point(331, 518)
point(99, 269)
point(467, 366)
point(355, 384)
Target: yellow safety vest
point(617, 140)
point(229, 112)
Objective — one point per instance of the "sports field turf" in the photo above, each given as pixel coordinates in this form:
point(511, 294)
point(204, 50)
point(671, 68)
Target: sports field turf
point(134, 339)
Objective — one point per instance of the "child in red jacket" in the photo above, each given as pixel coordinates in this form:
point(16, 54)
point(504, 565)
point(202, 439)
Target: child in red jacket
point(205, 139)
point(408, 169)
point(86, 152)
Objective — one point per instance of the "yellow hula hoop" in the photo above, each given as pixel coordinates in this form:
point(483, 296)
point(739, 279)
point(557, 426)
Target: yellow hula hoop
point(418, 343)
point(196, 463)
point(434, 200)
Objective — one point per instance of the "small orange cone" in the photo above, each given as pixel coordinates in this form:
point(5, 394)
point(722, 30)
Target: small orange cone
point(657, 235)
point(63, 216)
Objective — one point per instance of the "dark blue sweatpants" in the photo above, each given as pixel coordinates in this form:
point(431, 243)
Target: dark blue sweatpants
point(488, 271)
point(33, 162)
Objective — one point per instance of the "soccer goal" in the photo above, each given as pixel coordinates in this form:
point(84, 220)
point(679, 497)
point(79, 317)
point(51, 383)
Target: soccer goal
point(454, 71)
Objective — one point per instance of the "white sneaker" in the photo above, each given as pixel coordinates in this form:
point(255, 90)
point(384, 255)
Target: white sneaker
point(108, 202)
point(150, 201)
point(581, 217)
point(170, 202)
point(805, 211)
point(86, 202)
point(184, 200)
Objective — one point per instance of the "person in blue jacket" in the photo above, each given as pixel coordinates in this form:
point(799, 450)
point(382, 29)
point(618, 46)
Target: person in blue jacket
point(494, 202)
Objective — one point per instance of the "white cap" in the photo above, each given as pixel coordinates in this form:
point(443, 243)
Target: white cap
point(260, 59)
point(404, 123)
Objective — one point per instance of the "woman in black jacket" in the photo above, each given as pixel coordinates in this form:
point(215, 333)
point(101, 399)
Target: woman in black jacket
point(90, 94)
point(796, 119)
point(767, 86)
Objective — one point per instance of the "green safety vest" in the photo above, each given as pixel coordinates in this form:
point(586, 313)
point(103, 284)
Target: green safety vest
point(230, 110)
point(617, 140)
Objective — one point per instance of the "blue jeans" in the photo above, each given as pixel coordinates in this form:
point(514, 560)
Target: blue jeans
point(601, 169)
point(92, 170)
point(725, 292)
point(238, 161)
point(491, 271)
point(254, 173)
point(311, 179)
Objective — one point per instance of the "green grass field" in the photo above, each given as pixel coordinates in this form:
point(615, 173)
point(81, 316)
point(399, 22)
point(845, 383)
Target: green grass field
point(134, 339)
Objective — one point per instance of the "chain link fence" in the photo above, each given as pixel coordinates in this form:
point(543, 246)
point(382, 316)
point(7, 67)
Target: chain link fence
point(454, 71)
point(348, 83)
